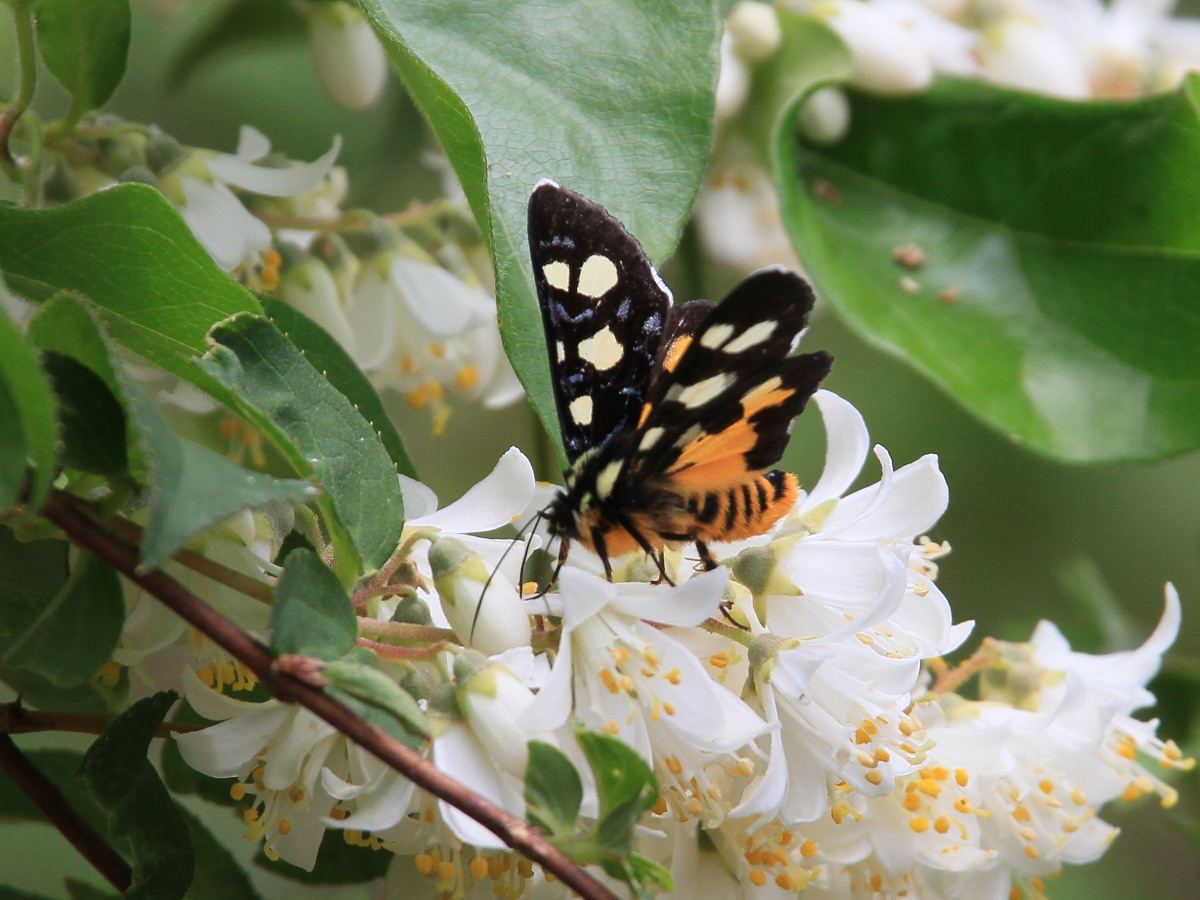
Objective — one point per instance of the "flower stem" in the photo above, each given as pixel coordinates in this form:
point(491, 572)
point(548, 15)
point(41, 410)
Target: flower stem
point(23, 33)
point(516, 833)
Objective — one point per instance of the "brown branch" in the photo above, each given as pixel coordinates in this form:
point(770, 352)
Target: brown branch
point(197, 562)
point(16, 719)
point(516, 833)
point(62, 815)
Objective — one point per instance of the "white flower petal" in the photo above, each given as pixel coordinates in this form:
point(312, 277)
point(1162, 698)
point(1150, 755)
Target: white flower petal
point(220, 222)
point(271, 181)
point(493, 502)
point(443, 304)
point(419, 499)
point(222, 750)
point(252, 144)
point(846, 446)
point(689, 603)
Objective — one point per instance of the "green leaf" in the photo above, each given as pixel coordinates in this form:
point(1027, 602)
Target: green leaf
point(141, 813)
point(217, 874)
point(318, 431)
point(191, 487)
point(84, 44)
point(27, 418)
point(10, 893)
point(328, 358)
point(128, 251)
point(35, 572)
point(553, 791)
point(92, 420)
point(625, 786)
point(372, 687)
point(1056, 300)
point(77, 631)
point(230, 26)
point(81, 890)
point(612, 99)
point(312, 615)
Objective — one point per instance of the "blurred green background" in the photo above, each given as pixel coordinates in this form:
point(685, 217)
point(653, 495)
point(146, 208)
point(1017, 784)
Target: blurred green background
point(1032, 538)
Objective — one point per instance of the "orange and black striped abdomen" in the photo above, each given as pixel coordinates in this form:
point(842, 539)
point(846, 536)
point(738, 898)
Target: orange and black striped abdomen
point(742, 510)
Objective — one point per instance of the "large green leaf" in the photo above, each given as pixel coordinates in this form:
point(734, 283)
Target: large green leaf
point(1057, 298)
point(141, 814)
point(328, 357)
point(193, 488)
point(76, 632)
point(84, 43)
point(613, 99)
point(128, 251)
point(312, 615)
point(318, 431)
point(28, 427)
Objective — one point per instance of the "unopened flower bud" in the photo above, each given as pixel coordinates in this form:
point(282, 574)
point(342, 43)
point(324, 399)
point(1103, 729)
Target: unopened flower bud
point(483, 608)
point(349, 59)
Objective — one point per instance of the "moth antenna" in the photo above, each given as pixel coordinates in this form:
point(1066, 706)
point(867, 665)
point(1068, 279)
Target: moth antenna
point(518, 538)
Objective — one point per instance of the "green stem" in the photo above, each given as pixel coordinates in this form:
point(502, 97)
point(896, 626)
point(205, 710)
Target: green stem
point(23, 32)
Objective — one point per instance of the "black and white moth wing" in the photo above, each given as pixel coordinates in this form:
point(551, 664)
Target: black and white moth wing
point(733, 374)
point(604, 309)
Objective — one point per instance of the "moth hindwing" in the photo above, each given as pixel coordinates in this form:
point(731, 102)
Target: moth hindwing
point(671, 415)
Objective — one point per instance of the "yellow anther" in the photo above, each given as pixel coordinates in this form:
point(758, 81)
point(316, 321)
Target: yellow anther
point(611, 727)
point(668, 707)
point(437, 350)
point(719, 660)
point(674, 766)
point(446, 871)
point(920, 824)
point(610, 681)
point(941, 824)
point(237, 791)
point(757, 877)
point(1046, 786)
point(674, 676)
point(874, 777)
point(417, 398)
point(961, 777)
point(808, 849)
point(466, 377)
point(478, 867)
point(620, 655)
point(1031, 851)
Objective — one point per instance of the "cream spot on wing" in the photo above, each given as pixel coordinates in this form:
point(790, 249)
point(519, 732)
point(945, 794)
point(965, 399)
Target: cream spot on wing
point(581, 410)
point(688, 436)
point(650, 438)
point(602, 349)
point(607, 479)
point(560, 350)
point(695, 395)
point(765, 387)
point(558, 275)
point(716, 336)
point(598, 276)
point(753, 335)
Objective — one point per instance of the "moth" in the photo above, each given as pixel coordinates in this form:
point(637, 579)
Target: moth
point(671, 414)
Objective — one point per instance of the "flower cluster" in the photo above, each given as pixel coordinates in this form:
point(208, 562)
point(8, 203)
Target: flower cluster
point(819, 744)
point(408, 296)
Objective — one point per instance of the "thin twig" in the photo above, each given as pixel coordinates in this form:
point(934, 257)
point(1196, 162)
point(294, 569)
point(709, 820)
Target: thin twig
point(62, 815)
point(516, 833)
point(16, 719)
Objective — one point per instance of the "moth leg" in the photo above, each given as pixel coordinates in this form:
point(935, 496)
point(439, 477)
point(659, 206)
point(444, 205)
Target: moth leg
point(598, 545)
point(706, 557)
point(659, 556)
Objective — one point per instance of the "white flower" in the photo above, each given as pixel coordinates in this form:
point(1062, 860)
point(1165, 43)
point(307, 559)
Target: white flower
point(887, 58)
point(422, 330)
point(838, 579)
point(618, 674)
point(201, 188)
point(737, 213)
point(277, 752)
